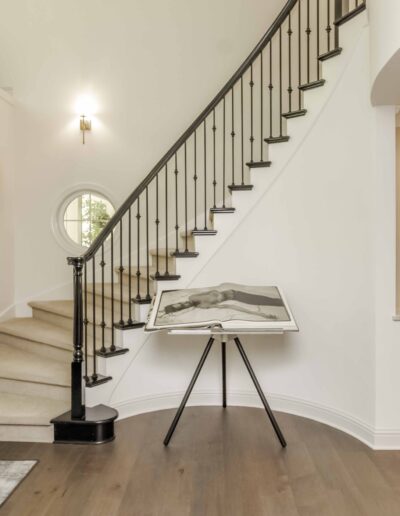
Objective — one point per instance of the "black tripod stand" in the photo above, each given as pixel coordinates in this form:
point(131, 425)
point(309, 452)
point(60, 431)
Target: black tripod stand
point(253, 377)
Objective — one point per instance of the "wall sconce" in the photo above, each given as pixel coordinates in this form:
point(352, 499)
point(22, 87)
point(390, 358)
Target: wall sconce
point(85, 125)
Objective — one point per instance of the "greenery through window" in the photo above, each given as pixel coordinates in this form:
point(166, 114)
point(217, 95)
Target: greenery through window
point(86, 216)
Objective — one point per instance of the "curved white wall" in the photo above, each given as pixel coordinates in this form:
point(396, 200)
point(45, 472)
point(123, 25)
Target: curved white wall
point(384, 18)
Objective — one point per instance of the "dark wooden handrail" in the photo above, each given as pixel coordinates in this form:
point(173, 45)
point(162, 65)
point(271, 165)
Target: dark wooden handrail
point(115, 219)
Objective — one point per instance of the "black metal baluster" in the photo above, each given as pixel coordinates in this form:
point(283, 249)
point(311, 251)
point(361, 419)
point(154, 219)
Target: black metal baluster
point(112, 347)
point(338, 15)
point(103, 323)
point(270, 87)
point(138, 273)
point(214, 128)
point(94, 374)
point(308, 33)
point(157, 221)
point(121, 280)
point(233, 134)
point(148, 297)
point(223, 153)
point(186, 195)
point(328, 26)
point(242, 126)
point(299, 57)
point(261, 107)
point(130, 321)
point(176, 207)
point(166, 219)
point(290, 89)
point(280, 84)
point(205, 173)
point(195, 178)
point(251, 115)
point(85, 322)
point(317, 60)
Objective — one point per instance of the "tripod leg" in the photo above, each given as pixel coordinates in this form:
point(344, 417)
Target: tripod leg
point(260, 393)
point(223, 347)
point(188, 391)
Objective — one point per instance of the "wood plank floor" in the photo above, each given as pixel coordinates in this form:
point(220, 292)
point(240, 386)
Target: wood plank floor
point(219, 463)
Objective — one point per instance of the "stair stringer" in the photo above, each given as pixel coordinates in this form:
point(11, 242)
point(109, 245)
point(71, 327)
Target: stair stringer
point(244, 202)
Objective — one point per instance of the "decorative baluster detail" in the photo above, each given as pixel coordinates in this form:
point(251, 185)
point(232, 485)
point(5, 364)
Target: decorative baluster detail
point(85, 322)
point(195, 178)
point(121, 278)
point(157, 222)
point(176, 207)
point(166, 218)
point(130, 321)
point(205, 173)
point(94, 374)
point(328, 26)
point(102, 324)
point(233, 134)
point(251, 115)
point(113, 346)
point(138, 273)
point(148, 297)
point(290, 88)
point(308, 33)
point(271, 88)
point(77, 393)
point(186, 195)
point(261, 107)
point(242, 126)
point(214, 128)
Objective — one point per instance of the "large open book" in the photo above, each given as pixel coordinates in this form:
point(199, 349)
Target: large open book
point(228, 306)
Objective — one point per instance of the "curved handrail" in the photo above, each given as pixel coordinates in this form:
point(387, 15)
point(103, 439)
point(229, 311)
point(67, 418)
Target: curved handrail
point(115, 219)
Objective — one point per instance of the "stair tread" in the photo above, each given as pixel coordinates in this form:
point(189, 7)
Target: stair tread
point(37, 331)
point(18, 409)
point(22, 365)
point(125, 288)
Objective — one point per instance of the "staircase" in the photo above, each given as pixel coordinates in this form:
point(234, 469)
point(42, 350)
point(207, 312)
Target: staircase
point(170, 225)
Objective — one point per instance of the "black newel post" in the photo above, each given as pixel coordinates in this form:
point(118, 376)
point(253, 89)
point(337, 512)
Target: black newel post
point(77, 389)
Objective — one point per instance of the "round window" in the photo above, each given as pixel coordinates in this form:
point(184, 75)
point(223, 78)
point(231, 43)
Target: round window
point(85, 215)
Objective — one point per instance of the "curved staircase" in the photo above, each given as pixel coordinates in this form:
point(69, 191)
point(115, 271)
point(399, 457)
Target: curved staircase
point(175, 220)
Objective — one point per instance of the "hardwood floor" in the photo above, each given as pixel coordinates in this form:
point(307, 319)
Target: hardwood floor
point(219, 463)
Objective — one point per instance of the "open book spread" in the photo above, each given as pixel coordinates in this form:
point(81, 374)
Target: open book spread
point(228, 306)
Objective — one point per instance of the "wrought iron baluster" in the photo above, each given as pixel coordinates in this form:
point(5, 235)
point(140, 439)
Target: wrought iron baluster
point(186, 204)
point(103, 323)
point(242, 126)
point(280, 83)
point(299, 56)
point(318, 44)
point(94, 374)
point(121, 277)
point(290, 88)
point(195, 178)
point(271, 88)
point(166, 219)
point(308, 33)
point(338, 15)
point(148, 297)
point(205, 172)
point(223, 152)
point(130, 321)
point(157, 222)
point(251, 115)
point(261, 107)
point(176, 172)
point(233, 134)
point(85, 322)
point(138, 273)
point(328, 26)
point(214, 128)
point(112, 347)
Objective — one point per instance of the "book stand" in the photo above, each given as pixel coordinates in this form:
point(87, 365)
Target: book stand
point(224, 338)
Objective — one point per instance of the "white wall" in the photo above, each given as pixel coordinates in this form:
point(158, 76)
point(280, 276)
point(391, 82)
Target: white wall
point(152, 66)
point(384, 20)
point(6, 204)
point(318, 232)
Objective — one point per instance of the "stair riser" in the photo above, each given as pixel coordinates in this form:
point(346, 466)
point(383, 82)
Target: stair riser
point(143, 285)
point(162, 261)
point(66, 322)
point(43, 390)
point(39, 348)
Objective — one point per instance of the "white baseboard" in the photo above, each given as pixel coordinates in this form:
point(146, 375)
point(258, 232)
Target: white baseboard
point(364, 432)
